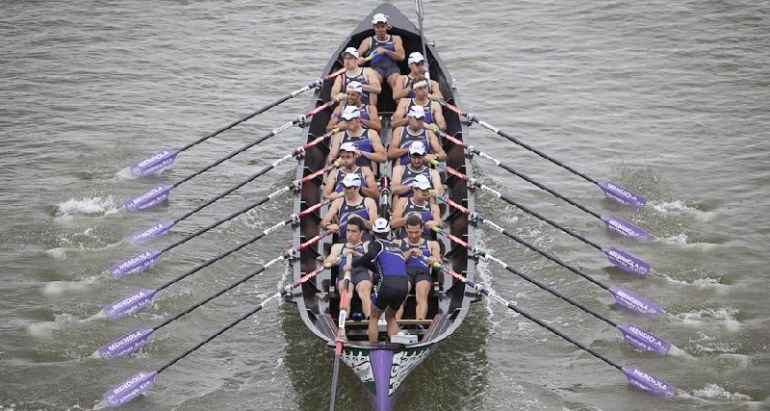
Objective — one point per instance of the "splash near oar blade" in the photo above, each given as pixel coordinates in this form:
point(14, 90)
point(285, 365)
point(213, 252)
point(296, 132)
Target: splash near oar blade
point(644, 340)
point(137, 385)
point(623, 227)
point(135, 264)
point(622, 196)
point(149, 199)
point(125, 344)
point(129, 305)
point(158, 230)
point(154, 164)
point(626, 261)
point(641, 379)
point(635, 302)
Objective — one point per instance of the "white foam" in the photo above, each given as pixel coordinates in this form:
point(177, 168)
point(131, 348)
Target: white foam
point(678, 207)
point(58, 253)
point(726, 315)
point(683, 241)
point(93, 206)
point(714, 391)
point(125, 174)
point(54, 288)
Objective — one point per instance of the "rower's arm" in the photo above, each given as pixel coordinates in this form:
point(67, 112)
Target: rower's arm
point(435, 178)
point(374, 119)
point(329, 193)
point(436, 221)
point(373, 81)
point(334, 253)
point(362, 49)
point(401, 90)
point(435, 146)
point(336, 87)
point(334, 148)
point(398, 220)
point(378, 154)
point(438, 115)
point(367, 260)
point(399, 116)
point(371, 209)
point(395, 184)
point(331, 213)
point(435, 91)
point(394, 151)
point(335, 118)
point(370, 189)
point(399, 54)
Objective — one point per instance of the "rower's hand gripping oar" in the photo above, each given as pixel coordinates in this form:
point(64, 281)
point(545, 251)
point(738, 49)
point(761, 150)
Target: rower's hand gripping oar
point(340, 340)
point(141, 382)
point(147, 259)
point(611, 190)
point(159, 194)
point(614, 224)
point(635, 376)
point(134, 340)
point(616, 256)
point(633, 335)
point(140, 299)
point(164, 227)
point(165, 159)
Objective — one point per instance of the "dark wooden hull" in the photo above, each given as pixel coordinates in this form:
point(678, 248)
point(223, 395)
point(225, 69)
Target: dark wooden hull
point(382, 367)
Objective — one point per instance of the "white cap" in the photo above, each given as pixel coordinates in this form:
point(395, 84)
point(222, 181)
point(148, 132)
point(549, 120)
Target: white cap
point(379, 18)
point(350, 113)
point(350, 147)
point(421, 182)
point(350, 50)
point(355, 86)
point(416, 112)
point(381, 226)
point(415, 57)
point(420, 83)
point(417, 147)
point(351, 180)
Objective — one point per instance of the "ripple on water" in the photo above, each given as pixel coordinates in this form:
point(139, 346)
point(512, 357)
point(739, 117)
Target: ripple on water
point(91, 206)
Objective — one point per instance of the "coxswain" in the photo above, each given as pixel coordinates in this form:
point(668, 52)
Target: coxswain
point(350, 204)
point(346, 166)
point(367, 141)
point(414, 130)
point(404, 85)
point(384, 257)
point(352, 97)
point(360, 277)
point(354, 72)
point(419, 254)
point(432, 109)
point(388, 50)
point(404, 175)
point(419, 203)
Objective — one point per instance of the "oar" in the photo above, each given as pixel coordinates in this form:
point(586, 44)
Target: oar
point(614, 224)
point(146, 259)
point(611, 190)
point(635, 376)
point(616, 256)
point(340, 338)
point(633, 335)
point(159, 194)
point(140, 299)
point(140, 383)
point(164, 159)
point(163, 228)
point(134, 340)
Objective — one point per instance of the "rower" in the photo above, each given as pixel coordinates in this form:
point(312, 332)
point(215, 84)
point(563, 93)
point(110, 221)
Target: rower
point(350, 204)
point(354, 72)
point(414, 130)
point(388, 50)
point(352, 97)
point(361, 277)
point(404, 86)
point(386, 259)
point(367, 141)
point(347, 166)
point(432, 109)
point(419, 203)
point(404, 175)
point(416, 250)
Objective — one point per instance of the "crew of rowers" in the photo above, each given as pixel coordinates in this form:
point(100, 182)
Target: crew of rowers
point(397, 255)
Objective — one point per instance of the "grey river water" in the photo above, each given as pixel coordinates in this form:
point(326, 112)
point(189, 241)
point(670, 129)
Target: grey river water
point(671, 99)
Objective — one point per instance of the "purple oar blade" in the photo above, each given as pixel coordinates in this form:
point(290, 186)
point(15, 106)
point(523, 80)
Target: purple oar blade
point(135, 264)
point(635, 302)
point(155, 164)
point(129, 305)
point(623, 227)
point(622, 196)
point(151, 198)
point(125, 344)
point(644, 340)
point(647, 382)
point(137, 385)
point(158, 230)
point(626, 261)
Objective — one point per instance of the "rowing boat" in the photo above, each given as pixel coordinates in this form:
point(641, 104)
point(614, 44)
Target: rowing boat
point(383, 367)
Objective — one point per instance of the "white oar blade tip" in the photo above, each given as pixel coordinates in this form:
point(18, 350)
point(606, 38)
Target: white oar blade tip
point(622, 196)
point(149, 199)
point(624, 228)
point(135, 264)
point(641, 379)
point(633, 301)
point(128, 305)
point(137, 385)
point(125, 344)
point(644, 340)
point(154, 164)
point(158, 230)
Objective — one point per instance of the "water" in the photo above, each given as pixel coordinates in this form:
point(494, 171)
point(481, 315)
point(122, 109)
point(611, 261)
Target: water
point(670, 100)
